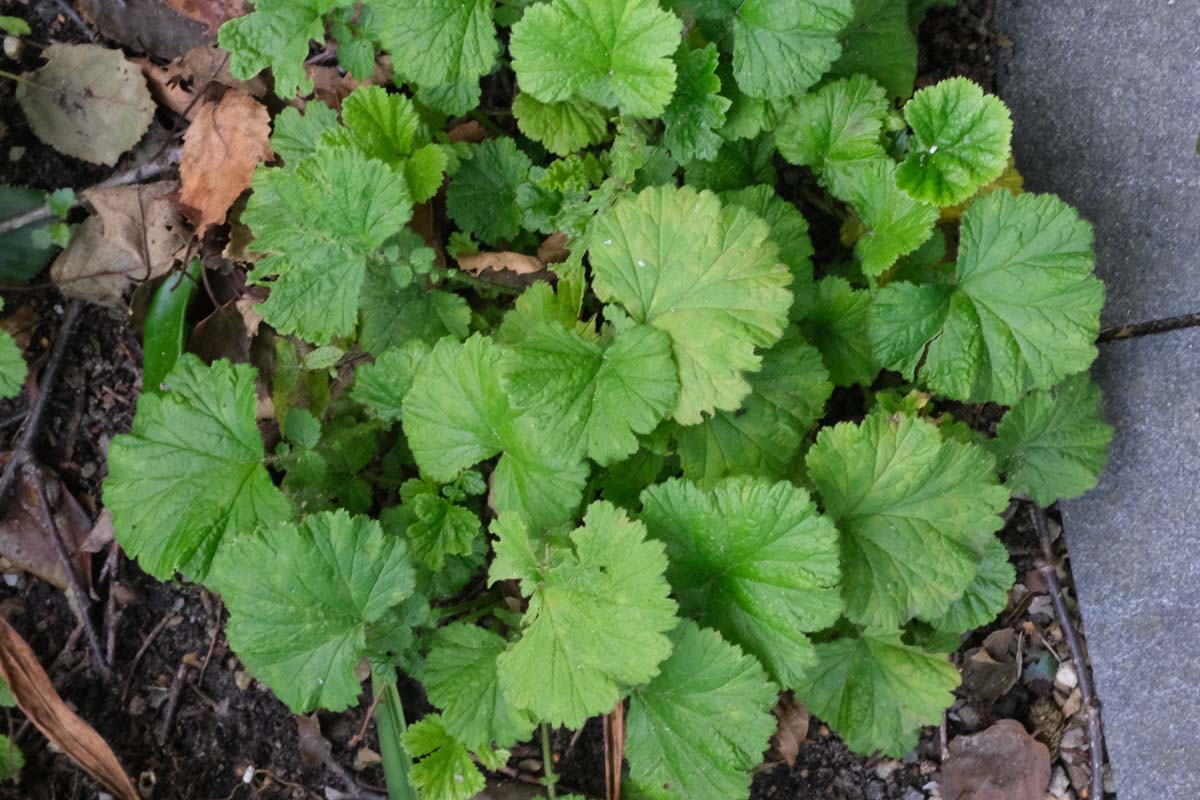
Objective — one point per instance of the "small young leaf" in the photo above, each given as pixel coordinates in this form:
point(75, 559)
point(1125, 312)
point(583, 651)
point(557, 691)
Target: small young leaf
point(739, 164)
point(482, 196)
point(837, 327)
point(440, 528)
point(320, 223)
point(12, 365)
point(782, 47)
point(1052, 445)
point(591, 398)
point(697, 111)
point(381, 386)
point(599, 609)
point(383, 126)
point(300, 599)
point(443, 769)
point(461, 677)
point(701, 726)
point(11, 757)
point(708, 276)
point(877, 692)
point(986, 595)
point(764, 436)
point(190, 475)
point(390, 316)
point(752, 559)
point(438, 42)
point(163, 332)
point(961, 140)
point(835, 130)
point(1024, 312)
point(895, 224)
point(457, 414)
point(881, 44)
point(275, 35)
point(915, 512)
point(615, 53)
point(297, 134)
point(563, 127)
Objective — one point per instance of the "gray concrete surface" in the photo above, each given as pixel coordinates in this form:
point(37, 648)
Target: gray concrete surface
point(1106, 102)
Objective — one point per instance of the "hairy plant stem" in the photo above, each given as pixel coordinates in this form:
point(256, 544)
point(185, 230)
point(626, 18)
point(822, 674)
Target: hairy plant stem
point(549, 778)
point(389, 718)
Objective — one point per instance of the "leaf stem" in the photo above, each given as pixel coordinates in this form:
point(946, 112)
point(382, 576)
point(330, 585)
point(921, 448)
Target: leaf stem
point(389, 718)
point(549, 778)
point(486, 122)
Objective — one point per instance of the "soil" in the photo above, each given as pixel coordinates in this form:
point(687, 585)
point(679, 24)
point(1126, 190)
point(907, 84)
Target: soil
point(230, 738)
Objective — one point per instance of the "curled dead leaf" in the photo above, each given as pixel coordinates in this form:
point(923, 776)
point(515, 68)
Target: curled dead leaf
point(37, 699)
point(136, 234)
point(554, 250)
point(26, 544)
point(225, 142)
point(791, 731)
point(1002, 763)
point(518, 263)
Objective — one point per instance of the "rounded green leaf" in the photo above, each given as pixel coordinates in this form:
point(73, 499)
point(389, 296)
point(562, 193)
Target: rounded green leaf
point(700, 727)
point(436, 42)
point(752, 559)
point(562, 127)
point(877, 692)
point(190, 475)
point(706, 275)
point(482, 196)
point(782, 47)
point(615, 53)
point(300, 598)
point(599, 609)
point(961, 140)
point(1053, 444)
point(986, 595)
point(1024, 312)
point(914, 510)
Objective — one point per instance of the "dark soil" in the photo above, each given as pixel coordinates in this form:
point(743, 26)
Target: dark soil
point(230, 738)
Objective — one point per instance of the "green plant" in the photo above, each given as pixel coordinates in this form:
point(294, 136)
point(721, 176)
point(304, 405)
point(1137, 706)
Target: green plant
point(679, 514)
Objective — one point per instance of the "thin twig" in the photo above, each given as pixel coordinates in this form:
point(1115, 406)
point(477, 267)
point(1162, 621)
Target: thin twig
point(362, 731)
point(614, 750)
point(149, 640)
point(23, 452)
point(1135, 329)
point(83, 603)
point(177, 684)
point(1087, 692)
point(73, 15)
point(151, 169)
point(112, 614)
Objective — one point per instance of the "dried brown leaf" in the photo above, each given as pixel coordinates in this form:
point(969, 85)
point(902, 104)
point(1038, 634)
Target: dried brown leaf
point(37, 699)
point(791, 731)
point(518, 263)
point(25, 542)
point(1002, 763)
point(554, 250)
point(314, 747)
point(212, 13)
point(136, 234)
point(225, 142)
point(145, 26)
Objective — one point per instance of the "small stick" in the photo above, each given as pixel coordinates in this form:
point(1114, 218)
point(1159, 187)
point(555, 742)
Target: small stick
point(212, 645)
point(73, 15)
point(614, 750)
point(24, 450)
point(72, 640)
point(111, 615)
point(362, 732)
point(168, 159)
point(154, 632)
point(1087, 692)
point(83, 603)
point(173, 693)
point(1135, 329)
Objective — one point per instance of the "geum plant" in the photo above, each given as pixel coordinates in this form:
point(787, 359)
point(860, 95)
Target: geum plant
point(630, 483)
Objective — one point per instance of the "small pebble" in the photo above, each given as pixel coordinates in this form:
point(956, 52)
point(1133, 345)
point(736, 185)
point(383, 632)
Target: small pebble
point(13, 47)
point(16, 153)
point(1060, 784)
point(884, 769)
point(242, 679)
point(913, 794)
point(1066, 678)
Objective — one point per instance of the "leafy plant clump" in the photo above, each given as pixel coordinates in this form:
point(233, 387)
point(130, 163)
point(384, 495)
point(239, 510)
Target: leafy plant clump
point(689, 460)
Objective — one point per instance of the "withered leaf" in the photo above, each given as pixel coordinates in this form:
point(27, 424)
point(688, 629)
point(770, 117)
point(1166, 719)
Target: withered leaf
point(792, 729)
point(212, 13)
point(135, 235)
point(518, 263)
point(87, 101)
point(37, 699)
point(24, 540)
point(225, 142)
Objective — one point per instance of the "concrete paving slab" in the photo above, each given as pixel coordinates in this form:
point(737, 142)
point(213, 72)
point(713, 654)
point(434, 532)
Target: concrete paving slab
point(1105, 98)
point(1106, 103)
